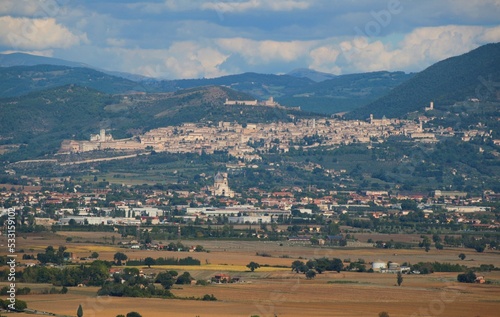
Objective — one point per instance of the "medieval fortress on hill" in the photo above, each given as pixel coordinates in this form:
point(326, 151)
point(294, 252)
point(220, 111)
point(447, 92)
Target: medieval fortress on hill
point(247, 141)
point(267, 103)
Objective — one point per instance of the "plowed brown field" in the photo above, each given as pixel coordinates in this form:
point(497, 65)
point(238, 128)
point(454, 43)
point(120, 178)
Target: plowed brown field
point(279, 292)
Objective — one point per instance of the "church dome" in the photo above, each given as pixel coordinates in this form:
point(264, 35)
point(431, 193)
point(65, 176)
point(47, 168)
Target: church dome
point(219, 177)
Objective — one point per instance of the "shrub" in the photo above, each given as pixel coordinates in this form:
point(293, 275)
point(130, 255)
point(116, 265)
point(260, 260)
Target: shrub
point(207, 297)
point(202, 282)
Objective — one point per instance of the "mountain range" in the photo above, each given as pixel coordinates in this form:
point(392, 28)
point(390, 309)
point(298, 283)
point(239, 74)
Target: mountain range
point(23, 59)
point(307, 88)
point(42, 104)
point(21, 80)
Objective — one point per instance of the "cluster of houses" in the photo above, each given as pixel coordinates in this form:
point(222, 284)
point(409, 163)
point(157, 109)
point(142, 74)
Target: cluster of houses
point(270, 207)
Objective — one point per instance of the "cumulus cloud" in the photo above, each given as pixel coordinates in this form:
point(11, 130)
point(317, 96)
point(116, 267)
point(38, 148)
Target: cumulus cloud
point(184, 39)
point(191, 60)
point(36, 34)
point(26, 8)
point(416, 51)
point(258, 52)
point(222, 6)
point(491, 35)
point(241, 6)
point(324, 59)
point(181, 60)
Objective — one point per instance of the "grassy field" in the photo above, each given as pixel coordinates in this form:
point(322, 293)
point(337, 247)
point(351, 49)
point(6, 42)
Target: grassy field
point(272, 290)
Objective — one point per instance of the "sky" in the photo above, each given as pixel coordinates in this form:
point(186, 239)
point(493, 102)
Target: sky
point(176, 39)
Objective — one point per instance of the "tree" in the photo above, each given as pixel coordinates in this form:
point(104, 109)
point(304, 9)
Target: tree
point(166, 279)
point(184, 278)
point(119, 257)
point(310, 274)
point(409, 204)
point(426, 243)
point(383, 314)
point(199, 248)
point(19, 305)
point(332, 228)
point(79, 311)
point(399, 278)
point(149, 261)
point(336, 265)
point(134, 314)
point(252, 266)
point(480, 248)
point(94, 255)
point(469, 277)
point(436, 238)
point(296, 265)
point(462, 256)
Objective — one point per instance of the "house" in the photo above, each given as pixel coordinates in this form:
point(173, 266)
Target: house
point(336, 240)
point(112, 271)
point(480, 280)
point(221, 278)
point(300, 239)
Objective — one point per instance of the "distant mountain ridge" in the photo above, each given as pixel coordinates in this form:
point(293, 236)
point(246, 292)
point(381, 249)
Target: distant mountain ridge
point(469, 76)
point(262, 86)
point(312, 74)
point(21, 80)
point(23, 59)
point(345, 92)
point(303, 87)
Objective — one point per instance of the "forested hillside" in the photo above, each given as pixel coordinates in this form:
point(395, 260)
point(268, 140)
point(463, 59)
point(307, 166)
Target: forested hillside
point(21, 80)
point(472, 75)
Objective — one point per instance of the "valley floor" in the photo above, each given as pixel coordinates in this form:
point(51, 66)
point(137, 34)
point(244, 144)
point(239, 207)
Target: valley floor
point(275, 291)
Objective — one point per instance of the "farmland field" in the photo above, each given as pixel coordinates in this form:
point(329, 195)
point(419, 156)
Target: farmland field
point(275, 290)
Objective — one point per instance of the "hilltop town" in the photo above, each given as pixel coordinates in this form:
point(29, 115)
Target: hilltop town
point(247, 141)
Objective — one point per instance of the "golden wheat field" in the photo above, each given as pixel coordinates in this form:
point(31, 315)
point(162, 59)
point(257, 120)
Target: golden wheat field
point(277, 291)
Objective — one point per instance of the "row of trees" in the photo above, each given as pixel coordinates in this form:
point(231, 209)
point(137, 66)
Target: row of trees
point(149, 261)
point(94, 274)
point(311, 267)
point(131, 283)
